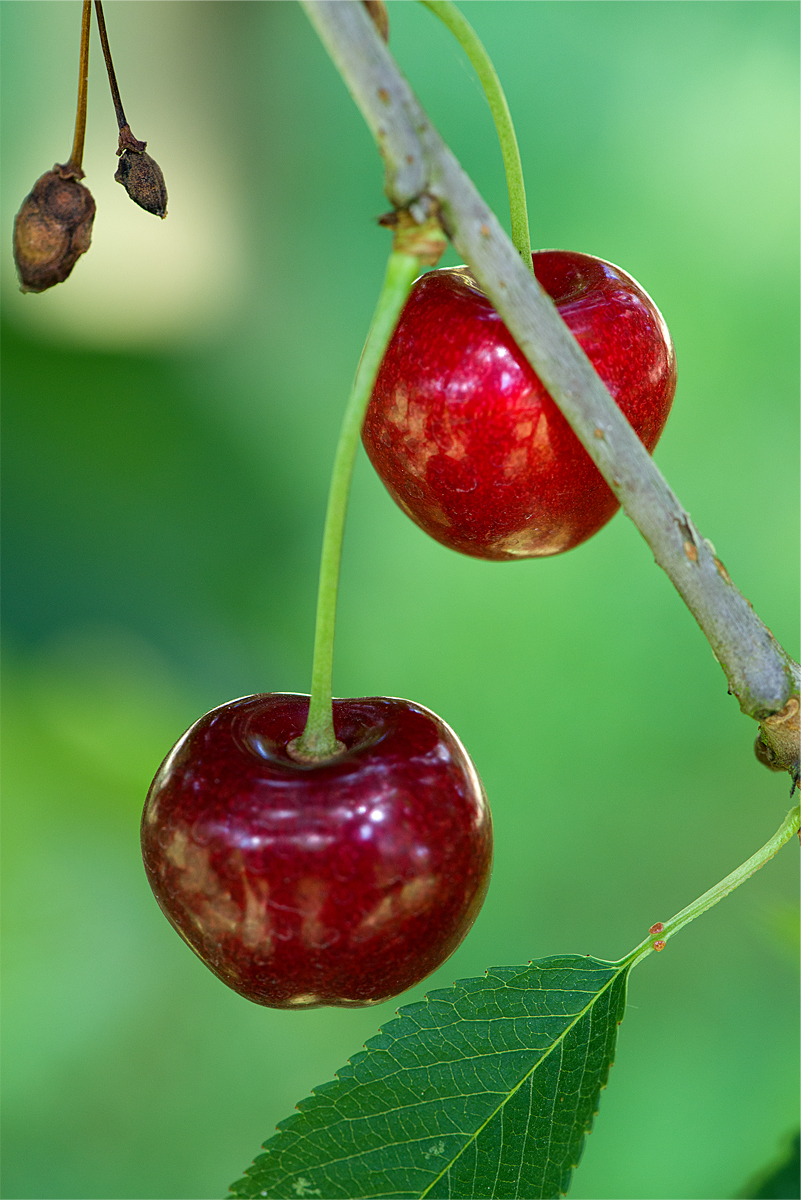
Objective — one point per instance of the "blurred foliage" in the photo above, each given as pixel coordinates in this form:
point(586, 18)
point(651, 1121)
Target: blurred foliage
point(170, 416)
point(781, 1180)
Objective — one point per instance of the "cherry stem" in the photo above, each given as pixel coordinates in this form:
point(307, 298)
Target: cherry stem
point(112, 78)
point(760, 672)
point(76, 157)
point(657, 939)
point(318, 740)
point(468, 39)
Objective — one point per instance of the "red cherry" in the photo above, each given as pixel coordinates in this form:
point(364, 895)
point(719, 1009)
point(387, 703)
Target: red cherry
point(343, 882)
point(464, 435)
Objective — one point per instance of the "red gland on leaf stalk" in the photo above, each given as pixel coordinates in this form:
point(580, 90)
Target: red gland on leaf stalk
point(465, 436)
point(341, 882)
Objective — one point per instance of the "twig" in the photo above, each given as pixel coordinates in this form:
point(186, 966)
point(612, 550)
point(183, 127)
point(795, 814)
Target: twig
point(761, 674)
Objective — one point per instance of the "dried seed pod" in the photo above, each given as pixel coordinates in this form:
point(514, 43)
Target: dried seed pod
point(142, 179)
point(53, 229)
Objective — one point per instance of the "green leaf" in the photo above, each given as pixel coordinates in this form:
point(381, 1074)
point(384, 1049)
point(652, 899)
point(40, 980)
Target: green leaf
point(483, 1089)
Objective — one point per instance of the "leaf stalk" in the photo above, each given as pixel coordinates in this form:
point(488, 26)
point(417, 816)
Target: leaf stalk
point(658, 937)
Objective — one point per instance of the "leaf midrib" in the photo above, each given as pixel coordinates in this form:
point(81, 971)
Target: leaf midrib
point(557, 1042)
point(332, 1162)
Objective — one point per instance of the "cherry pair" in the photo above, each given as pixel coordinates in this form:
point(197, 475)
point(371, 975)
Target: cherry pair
point(348, 880)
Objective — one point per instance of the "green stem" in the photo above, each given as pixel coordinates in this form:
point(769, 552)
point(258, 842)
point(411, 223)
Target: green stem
point(318, 740)
point(788, 827)
point(467, 38)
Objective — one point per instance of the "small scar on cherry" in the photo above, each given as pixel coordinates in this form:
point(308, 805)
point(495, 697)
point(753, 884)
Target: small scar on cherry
point(656, 928)
point(691, 551)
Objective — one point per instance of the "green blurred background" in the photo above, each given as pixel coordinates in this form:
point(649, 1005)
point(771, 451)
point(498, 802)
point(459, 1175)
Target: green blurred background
point(170, 418)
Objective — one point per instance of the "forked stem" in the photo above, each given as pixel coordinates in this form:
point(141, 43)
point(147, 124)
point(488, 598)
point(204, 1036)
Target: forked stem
point(659, 934)
point(318, 740)
point(468, 39)
point(75, 163)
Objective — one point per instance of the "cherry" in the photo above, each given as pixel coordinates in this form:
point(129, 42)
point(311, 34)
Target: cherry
point(342, 882)
point(466, 438)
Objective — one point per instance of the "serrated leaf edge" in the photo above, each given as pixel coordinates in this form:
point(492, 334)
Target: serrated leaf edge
point(540, 1060)
point(622, 966)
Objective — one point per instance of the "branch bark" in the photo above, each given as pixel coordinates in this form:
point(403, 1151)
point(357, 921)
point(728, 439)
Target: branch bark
point(420, 168)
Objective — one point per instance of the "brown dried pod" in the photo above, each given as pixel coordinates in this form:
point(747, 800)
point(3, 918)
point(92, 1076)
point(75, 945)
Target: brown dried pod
point(142, 179)
point(53, 229)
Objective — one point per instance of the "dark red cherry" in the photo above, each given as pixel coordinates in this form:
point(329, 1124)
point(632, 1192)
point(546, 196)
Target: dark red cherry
point(340, 883)
point(466, 438)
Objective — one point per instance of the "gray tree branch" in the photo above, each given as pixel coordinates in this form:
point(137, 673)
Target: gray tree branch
point(420, 167)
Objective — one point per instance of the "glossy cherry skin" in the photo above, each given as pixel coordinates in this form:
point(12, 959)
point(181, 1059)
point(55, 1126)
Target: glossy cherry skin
point(464, 435)
point(341, 883)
